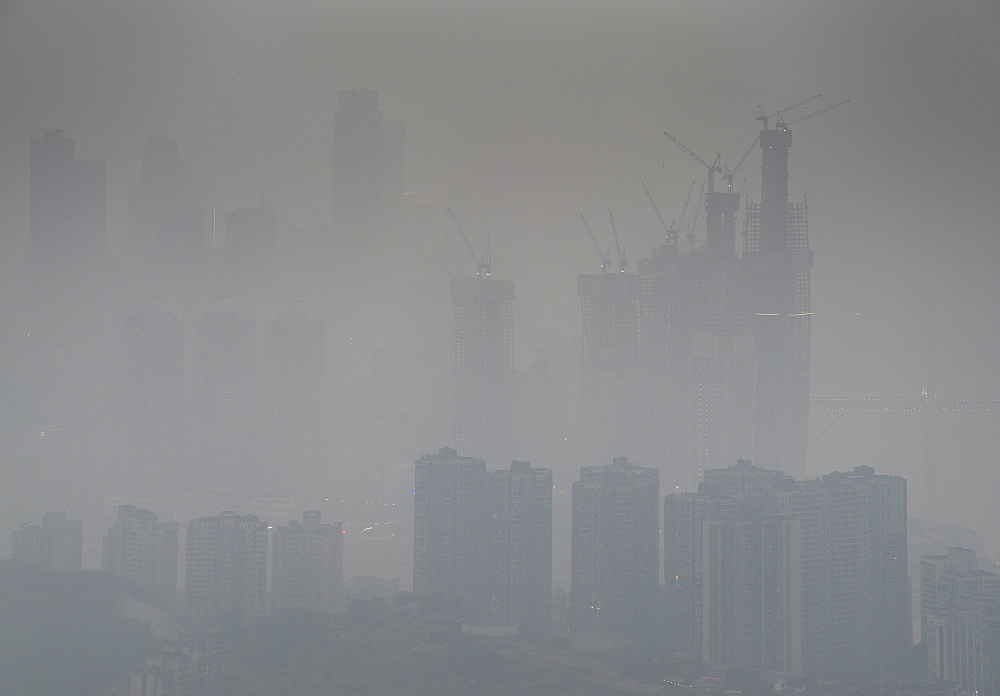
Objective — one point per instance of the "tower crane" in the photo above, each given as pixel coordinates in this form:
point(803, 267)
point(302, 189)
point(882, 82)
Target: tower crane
point(697, 212)
point(605, 258)
point(782, 124)
point(761, 116)
point(483, 266)
point(622, 262)
point(712, 168)
point(686, 202)
point(671, 233)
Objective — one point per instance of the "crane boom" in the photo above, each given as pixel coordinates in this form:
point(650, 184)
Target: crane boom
point(686, 202)
point(765, 118)
point(817, 113)
point(622, 262)
point(466, 240)
point(605, 259)
point(697, 211)
point(671, 236)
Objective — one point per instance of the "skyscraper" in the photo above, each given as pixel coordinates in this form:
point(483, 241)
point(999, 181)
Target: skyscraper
point(483, 539)
point(484, 365)
point(777, 262)
point(826, 595)
point(143, 550)
point(309, 565)
point(152, 400)
point(367, 173)
point(610, 397)
point(615, 565)
point(225, 577)
point(68, 244)
point(222, 400)
point(726, 339)
point(159, 187)
point(293, 373)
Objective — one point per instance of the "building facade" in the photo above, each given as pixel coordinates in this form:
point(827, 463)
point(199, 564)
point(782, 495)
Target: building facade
point(225, 576)
point(615, 554)
point(483, 539)
point(55, 545)
point(143, 550)
point(484, 366)
point(308, 571)
point(610, 394)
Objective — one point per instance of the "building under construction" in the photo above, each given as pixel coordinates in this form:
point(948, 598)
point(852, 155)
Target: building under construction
point(725, 338)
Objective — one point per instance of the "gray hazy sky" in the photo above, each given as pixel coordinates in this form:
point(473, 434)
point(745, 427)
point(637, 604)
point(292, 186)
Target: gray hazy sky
point(549, 109)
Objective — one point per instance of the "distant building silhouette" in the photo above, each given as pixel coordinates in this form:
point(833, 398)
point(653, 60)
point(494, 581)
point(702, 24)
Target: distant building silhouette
point(610, 394)
point(225, 576)
point(484, 365)
point(160, 186)
point(615, 565)
point(221, 396)
point(367, 174)
point(309, 565)
point(152, 390)
point(292, 392)
point(143, 550)
point(55, 545)
point(68, 271)
point(483, 539)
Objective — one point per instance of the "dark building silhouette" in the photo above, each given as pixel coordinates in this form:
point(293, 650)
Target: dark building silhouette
point(483, 539)
point(68, 274)
point(367, 175)
point(55, 545)
point(615, 564)
point(160, 187)
point(484, 365)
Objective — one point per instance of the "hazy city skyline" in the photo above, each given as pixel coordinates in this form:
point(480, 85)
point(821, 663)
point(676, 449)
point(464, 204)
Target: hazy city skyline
point(548, 110)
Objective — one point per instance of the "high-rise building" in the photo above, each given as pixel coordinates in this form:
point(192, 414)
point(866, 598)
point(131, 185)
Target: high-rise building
point(725, 340)
point(308, 567)
point(484, 365)
point(520, 542)
point(960, 620)
point(367, 172)
point(610, 394)
point(483, 539)
point(615, 564)
point(836, 596)
point(152, 401)
point(251, 253)
point(68, 245)
point(777, 262)
point(293, 370)
point(67, 276)
point(143, 550)
point(221, 396)
point(55, 545)
point(225, 575)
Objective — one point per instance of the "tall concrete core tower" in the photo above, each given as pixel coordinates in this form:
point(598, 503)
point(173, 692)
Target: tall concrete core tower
point(777, 260)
